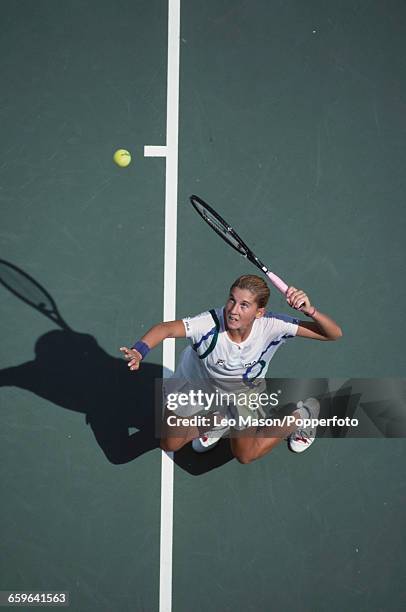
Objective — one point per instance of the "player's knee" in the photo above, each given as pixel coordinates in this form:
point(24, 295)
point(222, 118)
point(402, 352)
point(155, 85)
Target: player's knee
point(244, 458)
point(170, 445)
point(166, 445)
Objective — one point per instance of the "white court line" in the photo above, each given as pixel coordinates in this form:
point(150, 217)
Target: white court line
point(154, 151)
point(170, 151)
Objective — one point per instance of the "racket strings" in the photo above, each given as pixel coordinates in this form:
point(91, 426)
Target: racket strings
point(223, 229)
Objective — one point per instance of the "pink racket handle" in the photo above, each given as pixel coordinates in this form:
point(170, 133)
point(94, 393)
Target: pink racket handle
point(279, 284)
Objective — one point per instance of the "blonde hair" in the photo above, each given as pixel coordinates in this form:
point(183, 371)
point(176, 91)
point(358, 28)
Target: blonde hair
point(256, 285)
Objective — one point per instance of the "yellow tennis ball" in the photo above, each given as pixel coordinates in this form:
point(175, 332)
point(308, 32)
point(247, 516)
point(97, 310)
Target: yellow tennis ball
point(122, 158)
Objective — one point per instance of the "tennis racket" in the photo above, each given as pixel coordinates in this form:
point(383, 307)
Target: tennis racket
point(30, 291)
point(224, 229)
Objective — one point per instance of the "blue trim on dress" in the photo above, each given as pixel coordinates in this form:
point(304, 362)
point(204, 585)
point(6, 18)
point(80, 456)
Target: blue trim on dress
point(203, 338)
point(261, 361)
point(281, 317)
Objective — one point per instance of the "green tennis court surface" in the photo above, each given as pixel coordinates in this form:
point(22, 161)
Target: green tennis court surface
point(291, 121)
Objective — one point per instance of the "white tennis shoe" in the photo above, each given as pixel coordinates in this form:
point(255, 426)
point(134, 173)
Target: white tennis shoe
point(303, 437)
point(209, 439)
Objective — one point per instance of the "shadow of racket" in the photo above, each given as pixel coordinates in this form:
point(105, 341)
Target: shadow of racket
point(23, 286)
point(97, 384)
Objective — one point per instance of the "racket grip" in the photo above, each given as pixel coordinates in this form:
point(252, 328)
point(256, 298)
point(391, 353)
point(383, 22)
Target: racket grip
point(277, 282)
point(280, 285)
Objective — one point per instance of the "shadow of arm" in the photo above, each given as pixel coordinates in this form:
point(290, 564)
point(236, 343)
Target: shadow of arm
point(17, 376)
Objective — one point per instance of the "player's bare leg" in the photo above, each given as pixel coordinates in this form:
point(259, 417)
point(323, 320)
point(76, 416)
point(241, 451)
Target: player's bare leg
point(254, 443)
point(173, 438)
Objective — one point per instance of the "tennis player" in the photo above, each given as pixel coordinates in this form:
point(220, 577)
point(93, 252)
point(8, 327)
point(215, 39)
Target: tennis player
point(237, 342)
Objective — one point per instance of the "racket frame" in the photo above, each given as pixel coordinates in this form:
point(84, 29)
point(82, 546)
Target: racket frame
point(245, 251)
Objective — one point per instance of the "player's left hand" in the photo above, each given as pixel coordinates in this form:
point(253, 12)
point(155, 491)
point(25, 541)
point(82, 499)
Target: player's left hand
point(132, 356)
point(296, 297)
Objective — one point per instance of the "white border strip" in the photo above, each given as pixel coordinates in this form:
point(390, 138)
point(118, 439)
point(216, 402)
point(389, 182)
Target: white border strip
point(154, 151)
point(171, 202)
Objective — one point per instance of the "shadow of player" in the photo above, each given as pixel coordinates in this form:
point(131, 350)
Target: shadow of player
point(71, 370)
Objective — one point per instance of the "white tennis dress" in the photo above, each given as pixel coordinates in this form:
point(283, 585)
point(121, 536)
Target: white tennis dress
point(215, 361)
point(214, 354)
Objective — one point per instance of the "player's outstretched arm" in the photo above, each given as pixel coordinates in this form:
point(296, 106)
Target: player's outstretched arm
point(322, 327)
point(157, 334)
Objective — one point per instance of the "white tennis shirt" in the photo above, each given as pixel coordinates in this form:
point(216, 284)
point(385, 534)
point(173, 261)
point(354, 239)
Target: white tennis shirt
point(214, 354)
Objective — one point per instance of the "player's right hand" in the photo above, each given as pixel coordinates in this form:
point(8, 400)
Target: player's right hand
point(133, 357)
